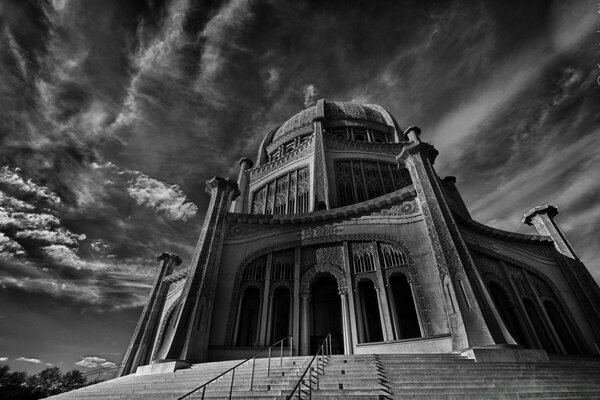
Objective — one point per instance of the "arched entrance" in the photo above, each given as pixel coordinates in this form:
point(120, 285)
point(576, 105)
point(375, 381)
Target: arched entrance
point(368, 306)
point(406, 312)
point(325, 313)
point(561, 328)
point(248, 319)
point(280, 314)
point(539, 326)
point(508, 314)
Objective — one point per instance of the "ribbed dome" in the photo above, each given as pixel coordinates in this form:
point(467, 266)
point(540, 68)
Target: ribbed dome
point(332, 110)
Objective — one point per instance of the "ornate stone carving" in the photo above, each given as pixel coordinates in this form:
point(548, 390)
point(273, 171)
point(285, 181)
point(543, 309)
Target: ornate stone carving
point(260, 171)
point(309, 276)
point(318, 231)
point(406, 208)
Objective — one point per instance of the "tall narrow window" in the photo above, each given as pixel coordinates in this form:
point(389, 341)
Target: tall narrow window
point(248, 318)
point(406, 312)
point(369, 309)
point(561, 328)
point(360, 180)
point(287, 194)
point(280, 314)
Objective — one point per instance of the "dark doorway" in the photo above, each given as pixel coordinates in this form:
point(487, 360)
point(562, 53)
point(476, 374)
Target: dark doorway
point(539, 326)
point(406, 313)
point(248, 319)
point(508, 314)
point(326, 314)
point(369, 309)
point(280, 314)
point(561, 328)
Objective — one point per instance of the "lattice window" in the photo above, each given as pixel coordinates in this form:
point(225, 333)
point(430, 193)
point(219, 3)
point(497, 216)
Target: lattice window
point(358, 133)
point(255, 271)
point(258, 204)
point(303, 190)
point(392, 256)
point(363, 259)
point(288, 194)
point(282, 267)
point(360, 180)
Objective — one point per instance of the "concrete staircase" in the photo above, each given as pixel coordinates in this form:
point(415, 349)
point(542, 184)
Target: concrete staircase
point(398, 376)
point(170, 386)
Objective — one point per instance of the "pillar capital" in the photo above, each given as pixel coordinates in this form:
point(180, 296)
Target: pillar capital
point(246, 163)
point(164, 256)
point(413, 133)
point(425, 149)
point(217, 183)
point(546, 209)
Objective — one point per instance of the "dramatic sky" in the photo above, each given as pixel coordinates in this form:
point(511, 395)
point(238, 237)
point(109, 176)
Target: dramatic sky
point(114, 113)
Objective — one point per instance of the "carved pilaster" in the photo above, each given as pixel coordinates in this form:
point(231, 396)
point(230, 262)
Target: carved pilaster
point(141, 341)
point(450, 251)
point(188, 344)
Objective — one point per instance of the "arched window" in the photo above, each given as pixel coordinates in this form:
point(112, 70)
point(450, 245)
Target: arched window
point(561, 328)
point(371, 330)
point(360, 180)
point(280, 314)
point(507, 312)
point(287, 194)
point(406, 320)
point(247, 335)
point(539, 326)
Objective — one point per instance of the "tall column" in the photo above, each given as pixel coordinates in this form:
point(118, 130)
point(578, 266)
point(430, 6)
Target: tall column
point(240, 205)
point(266, 300)
point(578, 277)
point(305, 339)
point(353, 339)
point(188, 343)
point(141, 340)
point(471, 326)
point(345, 323)
point(296, 300)
point(388, 330)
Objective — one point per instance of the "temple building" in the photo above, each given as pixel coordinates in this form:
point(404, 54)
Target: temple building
point(341, 225)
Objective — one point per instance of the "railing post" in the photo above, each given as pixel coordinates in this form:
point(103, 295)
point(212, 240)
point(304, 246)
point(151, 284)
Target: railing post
point(291, 344)
point(231, 386)
point(252, 379)
point(203, 391)
point(310, 383)
point(269, 364)
point(281, 354)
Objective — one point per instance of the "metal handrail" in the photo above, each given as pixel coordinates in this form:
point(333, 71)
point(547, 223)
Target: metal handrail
point(232, 369)
point(323, 351)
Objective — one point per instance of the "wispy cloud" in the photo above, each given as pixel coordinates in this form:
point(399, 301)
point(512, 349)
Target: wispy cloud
point(3, 359)
point(29, 360)
point(94, 362)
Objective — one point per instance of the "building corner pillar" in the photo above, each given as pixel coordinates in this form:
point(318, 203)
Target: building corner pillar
point(240, 204)
point(141, 341)
point(189, 344)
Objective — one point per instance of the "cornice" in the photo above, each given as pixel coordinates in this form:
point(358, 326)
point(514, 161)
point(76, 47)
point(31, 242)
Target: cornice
point(336, 143)
point(324, 215)
point(263, 170)
point(500, 234)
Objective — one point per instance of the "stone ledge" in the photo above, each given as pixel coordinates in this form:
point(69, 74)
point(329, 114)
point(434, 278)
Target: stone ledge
point(162, 367)
point(500, 354)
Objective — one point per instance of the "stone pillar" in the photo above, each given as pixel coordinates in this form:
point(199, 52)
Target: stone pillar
point(240, 205)
point(319, 183)
point(353, 338)
point(266, 300)
point(345, 323)
point(577, 275)
point(141, 341)
point(388, 330)
point(296, 302)
point(190, 344)
point(471, 326)
point(542, 218)
point(305, 339)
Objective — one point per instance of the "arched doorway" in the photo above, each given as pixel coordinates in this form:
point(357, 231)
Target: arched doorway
point(370, 329)
point(326, 314)
point(247, 335)
point(539, 326)
point(561, 328)
point(508, 314)
point(280, 314)
point(406, 313)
